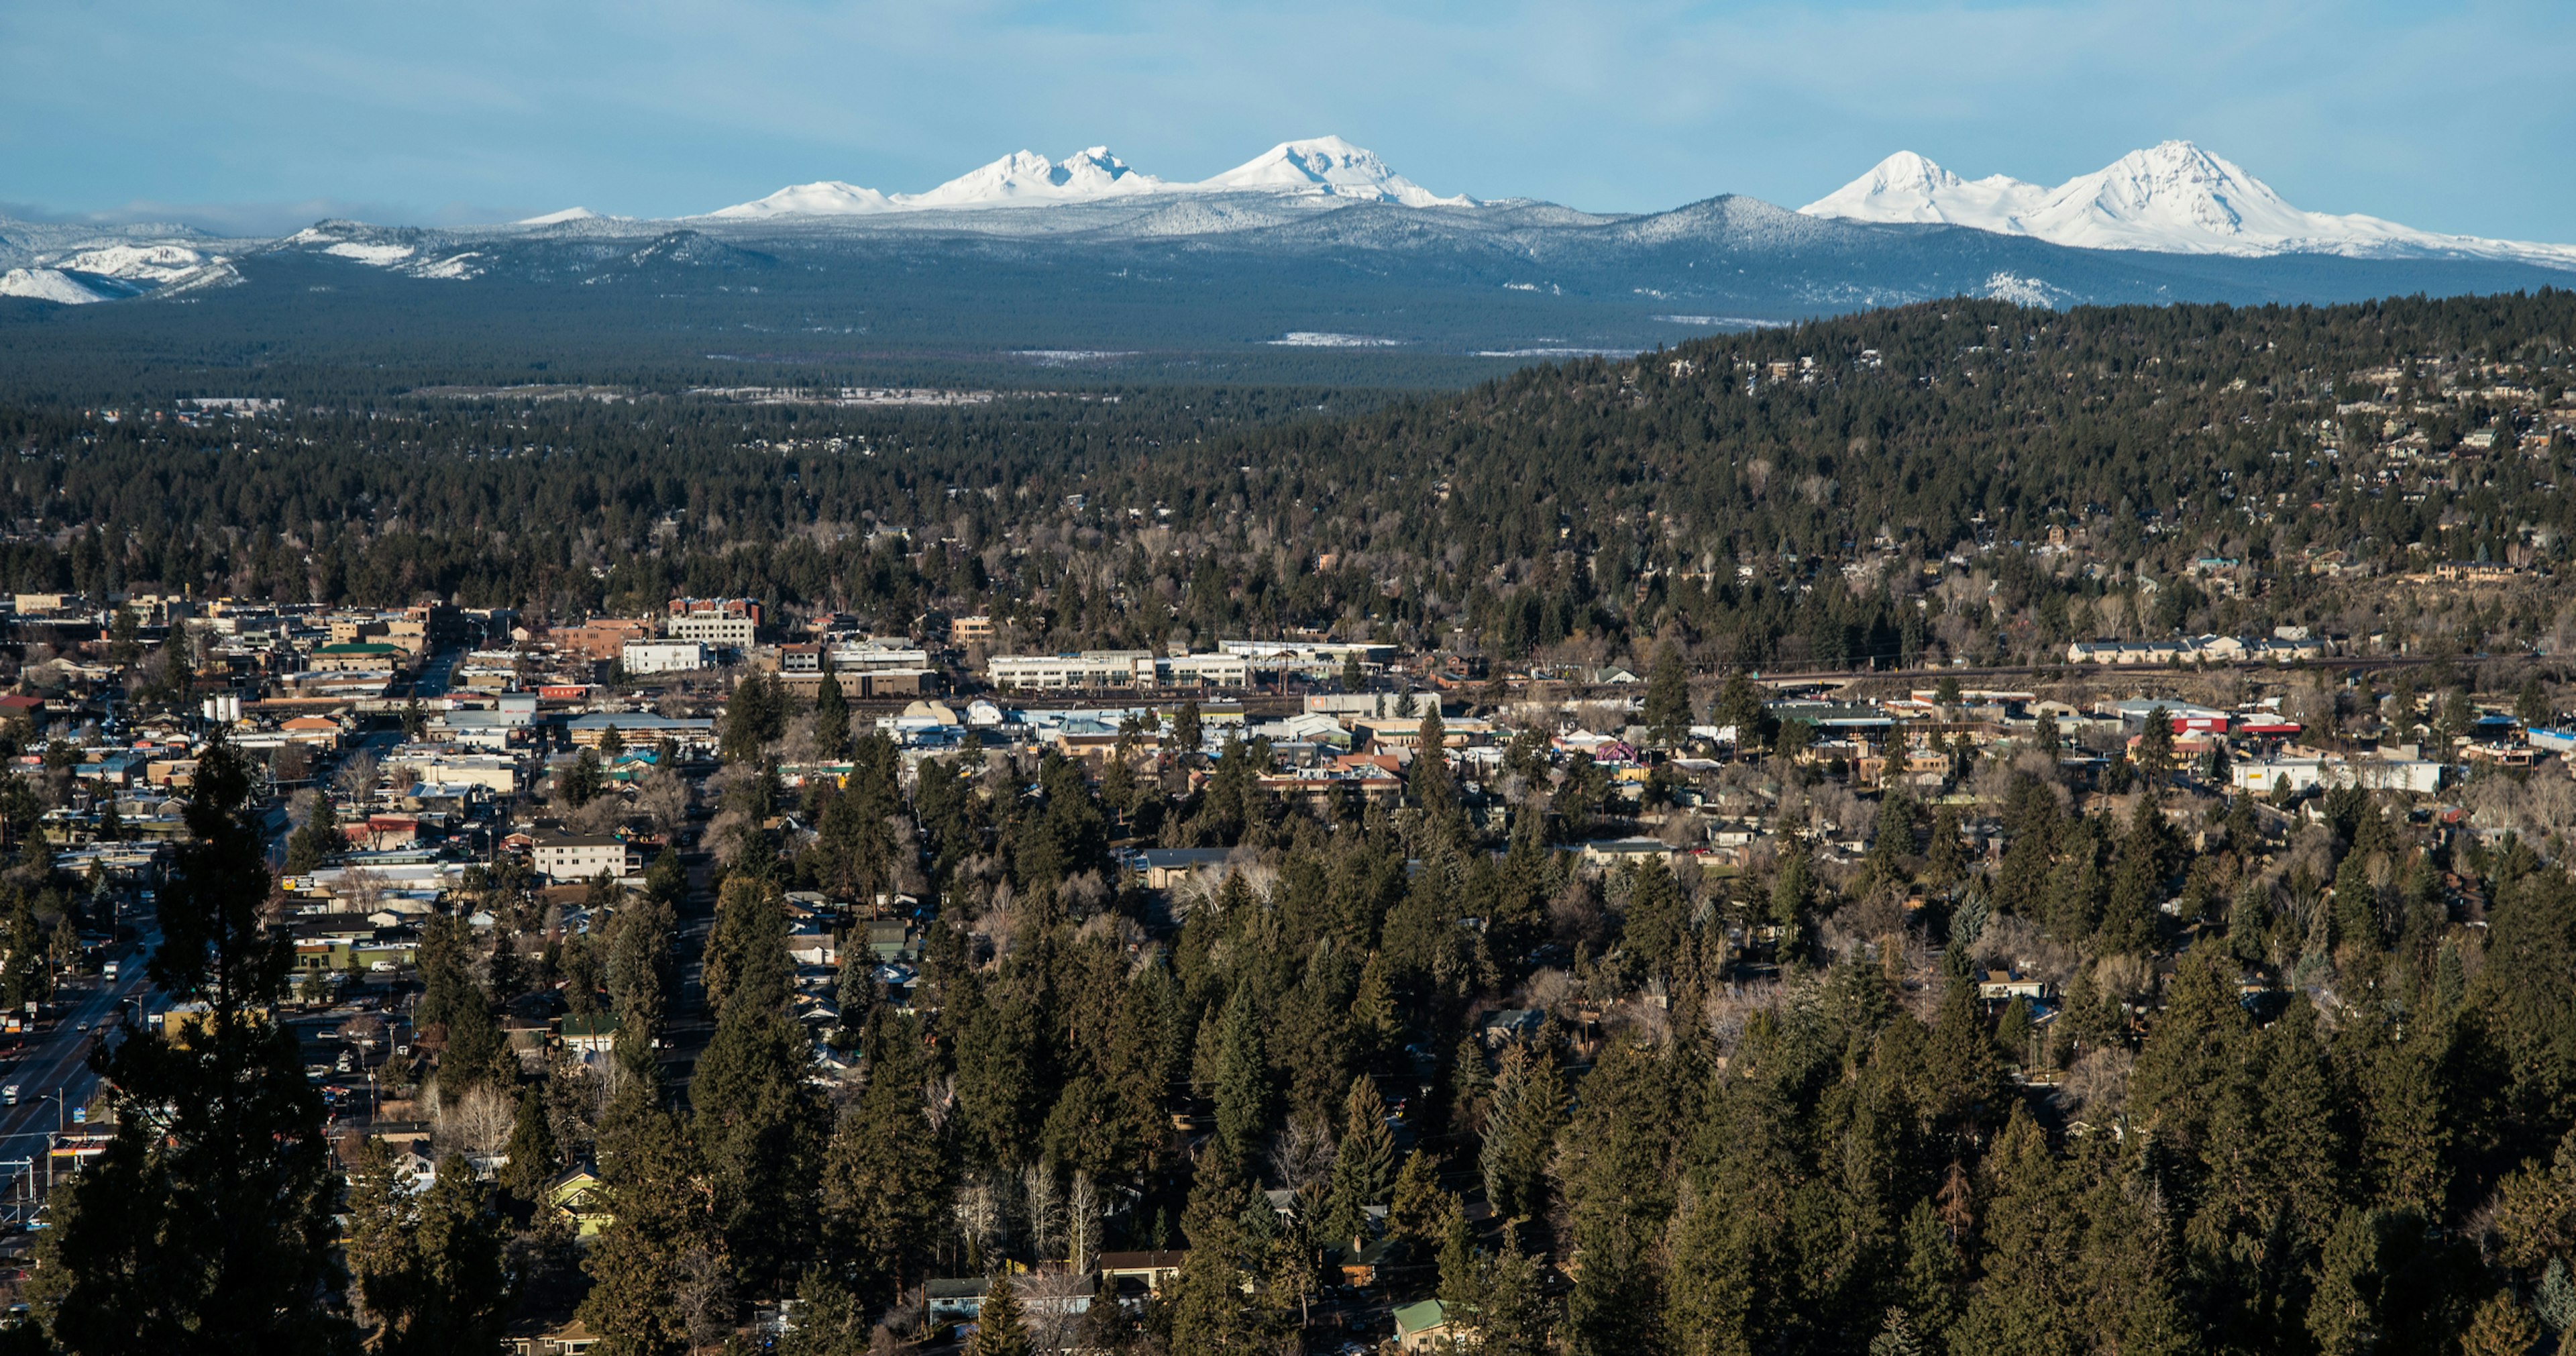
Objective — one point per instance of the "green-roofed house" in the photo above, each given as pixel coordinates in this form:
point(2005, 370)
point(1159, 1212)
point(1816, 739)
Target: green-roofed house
point(1422, 1326)
point(593, 1033)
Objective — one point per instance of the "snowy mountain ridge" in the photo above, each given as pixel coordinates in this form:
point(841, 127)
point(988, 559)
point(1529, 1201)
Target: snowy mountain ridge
point(2172, 198)
point(1326, 166)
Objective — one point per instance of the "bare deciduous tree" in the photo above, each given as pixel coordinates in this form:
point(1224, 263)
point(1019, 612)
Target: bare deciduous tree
point(476, 1124)
point(357, 778)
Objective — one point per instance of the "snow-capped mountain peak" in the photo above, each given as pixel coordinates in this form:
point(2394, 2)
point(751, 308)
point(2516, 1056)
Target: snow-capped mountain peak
point(2173, 198)
point(558, 218)
point(822, 198)
point(2172, 191)
point(1327, 165)
point(1909, 187)
point(1025, 178)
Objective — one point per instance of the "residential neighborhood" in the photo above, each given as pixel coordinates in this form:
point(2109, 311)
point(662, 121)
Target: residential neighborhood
point(521, 866)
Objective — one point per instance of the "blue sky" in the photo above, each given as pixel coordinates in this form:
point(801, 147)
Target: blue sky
point(263, 114)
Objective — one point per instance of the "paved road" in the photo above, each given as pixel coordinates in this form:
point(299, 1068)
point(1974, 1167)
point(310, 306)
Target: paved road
point(435, 674)
point(56, 1058)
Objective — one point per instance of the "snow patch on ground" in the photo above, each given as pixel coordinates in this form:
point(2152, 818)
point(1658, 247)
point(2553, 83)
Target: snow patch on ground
point(382, 256)
point(1324, 339)
point(2025, 292)
point(141, 263)
point(1731, 322)
point(1060, 357)
point(458, 267)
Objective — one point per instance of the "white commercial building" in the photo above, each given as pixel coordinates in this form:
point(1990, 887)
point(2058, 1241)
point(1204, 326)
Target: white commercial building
point(479, 729)
point(577, 857)
point(664, 656)
point(2417, 775)
point(1091, 668)
point(1118, 668)
point(2195, 649)
point(713, 628)
point(498, 775)
point(1321, 660)
point(870, 656)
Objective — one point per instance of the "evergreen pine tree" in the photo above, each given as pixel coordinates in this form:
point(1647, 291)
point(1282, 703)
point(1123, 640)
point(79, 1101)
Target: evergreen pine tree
point(1896, 1337)
point(1945, 858)
point(1206, 1307)
point(531, 1150)
point(2027, 1303)
point(1429, 784)
point(1528, 1107)
point(1240, 1083)
point(206, 1225)
point(999, 1329)
point(759, 1123)
point(1363, 1167)
point(1739, 706)
point(1512, 1316)
point(2502, 1327)
point(831, 720)
point(1667, 708)
point(427, 1263)
point(885, 1169)
point(1935, 1273)
point(660, 1221)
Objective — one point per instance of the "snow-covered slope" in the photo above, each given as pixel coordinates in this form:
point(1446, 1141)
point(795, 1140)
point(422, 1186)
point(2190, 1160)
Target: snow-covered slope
point(47, 284)
point(1020, 179)
point(1905, 187)
point(74, 265)
point(1327, 165)
point(2174, 198)
point(823, 198)
point(1026, 179)
point(154, 264)
point(1323, 166)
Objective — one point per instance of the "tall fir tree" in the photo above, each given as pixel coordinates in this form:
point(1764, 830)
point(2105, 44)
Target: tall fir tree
point(206, 1225)
point(1363, 1165)
point(999, 1328)
point(758, 1123)
point(427, 1262)
point(884, 1171)
point(831, 719)
point(1667, 708)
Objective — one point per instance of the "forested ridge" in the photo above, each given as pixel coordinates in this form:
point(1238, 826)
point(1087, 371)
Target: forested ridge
point(1700, 493)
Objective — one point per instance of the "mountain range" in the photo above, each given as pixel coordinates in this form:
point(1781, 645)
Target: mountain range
point(2171, 198)
point(1324, 166)
point(1313, 246)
